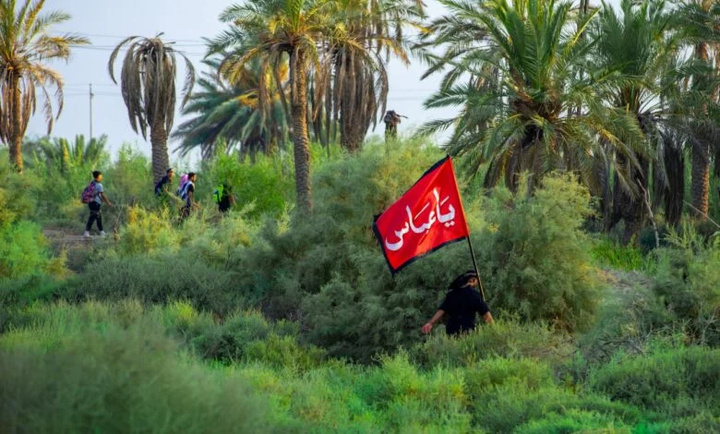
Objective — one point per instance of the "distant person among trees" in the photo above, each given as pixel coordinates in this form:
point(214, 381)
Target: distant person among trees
point(94, 196)
point(392, 120)
point(162, 188)
point(188, 195)
point(461, 304)
point(224, 198)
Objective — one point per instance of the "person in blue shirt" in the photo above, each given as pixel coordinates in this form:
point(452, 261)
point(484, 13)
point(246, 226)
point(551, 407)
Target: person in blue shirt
point(96, 203)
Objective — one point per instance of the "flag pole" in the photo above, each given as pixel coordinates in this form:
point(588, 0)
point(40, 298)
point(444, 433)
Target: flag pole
point(472, 253)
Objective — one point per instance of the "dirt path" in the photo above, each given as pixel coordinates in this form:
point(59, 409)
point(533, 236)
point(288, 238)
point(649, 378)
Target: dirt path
point(66, 239)
point(76, 247)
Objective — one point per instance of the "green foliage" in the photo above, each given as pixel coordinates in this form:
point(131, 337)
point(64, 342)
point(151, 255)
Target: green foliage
point(266, 184)
point(23, 251)
point(607, 253)
point(249, 312)
point(23, 248)
point(631, 319)
point(536, 258)
point(15, 203)
point(677, 382)
point(327, 268)
point(112, 378)
point(507, 339)
point(159, 279)
point(688, 282)
point(148, 233)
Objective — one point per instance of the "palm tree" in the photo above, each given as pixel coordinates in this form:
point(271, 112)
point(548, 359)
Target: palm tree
point(148, 90)
point(700, 23)
point(513, 70)
point(356, 82)
point(229, 112)
point(643, 41)
point(275, 32)
point(62, 154)
point(25, 46)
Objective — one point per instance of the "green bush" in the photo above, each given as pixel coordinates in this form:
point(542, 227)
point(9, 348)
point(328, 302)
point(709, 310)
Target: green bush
point(16, 294)
point(688, 283)
point(607, 253)
point(266, 184)
point(572, 421)
point(630, 320)
point(505, 338)
point(675, 382)
point(327, 269)
point(535, 257)
point(146, 233)
point(159, 279)
point(128, 181)
point(15, 203)
point(24, 251)
point(120, 380)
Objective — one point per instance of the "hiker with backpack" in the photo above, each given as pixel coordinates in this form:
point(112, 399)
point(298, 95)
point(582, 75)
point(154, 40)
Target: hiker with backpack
point(224, 198)
point(188, 195)
point(162, 188)
point(183, 182)
point(94, 196)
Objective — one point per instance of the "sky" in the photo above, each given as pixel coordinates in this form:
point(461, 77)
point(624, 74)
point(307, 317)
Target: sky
point(186, 22)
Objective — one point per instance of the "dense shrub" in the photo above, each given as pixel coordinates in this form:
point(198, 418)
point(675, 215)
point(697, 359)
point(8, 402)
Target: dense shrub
point(266, 184)
point(147, 232)
point(630, 320)
point(117, 379)
point(159, 279)
point(23, 248)
point(505, 338)
point(535, 256)
point(675, 382)
point(688, 283)
point(128, 181)
point(607, 253)
point(241, 337)
point(327, 270)
point(24, 251)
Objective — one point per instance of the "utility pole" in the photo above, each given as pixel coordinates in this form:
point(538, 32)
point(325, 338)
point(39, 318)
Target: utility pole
point(91, 113)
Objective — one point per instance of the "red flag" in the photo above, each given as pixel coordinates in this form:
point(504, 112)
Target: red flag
point(427, 217)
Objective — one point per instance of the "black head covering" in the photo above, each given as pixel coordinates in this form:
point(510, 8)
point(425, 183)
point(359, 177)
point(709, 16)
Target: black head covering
point(462, 280)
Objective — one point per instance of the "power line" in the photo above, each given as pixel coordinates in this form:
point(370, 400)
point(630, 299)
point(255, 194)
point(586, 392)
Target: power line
point(122, 37)
point(110, 48)
point(85, 84)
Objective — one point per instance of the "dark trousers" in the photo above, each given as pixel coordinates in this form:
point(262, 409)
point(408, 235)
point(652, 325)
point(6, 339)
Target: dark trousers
point(95, 216)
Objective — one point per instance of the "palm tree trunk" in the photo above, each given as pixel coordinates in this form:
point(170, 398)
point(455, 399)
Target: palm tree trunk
point(17, 127)
point(675, 168)
point(700, 178)
point(627, 206)
point(160, 159)
point(301, 140)
point(356, 101)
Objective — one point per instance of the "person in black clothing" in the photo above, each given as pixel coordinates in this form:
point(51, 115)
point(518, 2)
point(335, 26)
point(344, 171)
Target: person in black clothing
point(461, 304)
point(162, 188)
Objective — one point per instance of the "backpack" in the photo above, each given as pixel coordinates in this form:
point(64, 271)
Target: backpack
point(88, 195)
point(218, 194)
point(181, 188)
point(184, 193)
